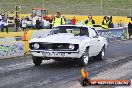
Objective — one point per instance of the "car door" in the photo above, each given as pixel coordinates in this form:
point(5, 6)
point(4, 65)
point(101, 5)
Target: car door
point(95, 46)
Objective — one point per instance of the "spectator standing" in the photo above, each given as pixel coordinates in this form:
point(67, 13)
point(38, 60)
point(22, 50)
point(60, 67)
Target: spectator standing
point(24, 23)
point(4, 24)
point(0, 17)
point(38, 24)
point(50, 20)
point(0, 22)
point(89, 22)
point(130, 27)
point(120, 23)
point(3, 16)
point(105, 22)
point(17, 23)
point(58, 20)
point(41, 24)
point(110, 25)
point(74, 21)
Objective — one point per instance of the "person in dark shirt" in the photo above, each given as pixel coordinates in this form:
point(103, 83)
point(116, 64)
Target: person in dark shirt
point(130, 27)
point(110, 25)
point(17, 23)
point(50, 20)
point(38, 24)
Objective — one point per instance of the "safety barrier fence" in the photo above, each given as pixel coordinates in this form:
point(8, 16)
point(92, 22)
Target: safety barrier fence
point(10, 47)
point(113, 34)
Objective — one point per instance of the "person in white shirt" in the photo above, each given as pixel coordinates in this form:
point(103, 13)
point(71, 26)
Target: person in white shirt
point(0, 17)
point(4, 24)
point(0, 23)
point(24, 23)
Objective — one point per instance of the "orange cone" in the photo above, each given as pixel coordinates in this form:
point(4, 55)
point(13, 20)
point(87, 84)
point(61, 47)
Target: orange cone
point(84, 73)
point(24, 36)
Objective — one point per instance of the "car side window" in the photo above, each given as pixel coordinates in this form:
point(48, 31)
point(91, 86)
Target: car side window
point(84, 31)
point(93, 33)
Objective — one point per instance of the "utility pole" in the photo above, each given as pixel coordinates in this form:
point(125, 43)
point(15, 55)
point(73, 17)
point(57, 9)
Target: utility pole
point(130, 11)
point(101, 3)
point(43, 3)
point(0, 8)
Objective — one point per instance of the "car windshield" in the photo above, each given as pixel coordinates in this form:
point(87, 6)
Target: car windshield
point(77, 31)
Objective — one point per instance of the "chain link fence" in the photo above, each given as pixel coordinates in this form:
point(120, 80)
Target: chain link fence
point(82, 8)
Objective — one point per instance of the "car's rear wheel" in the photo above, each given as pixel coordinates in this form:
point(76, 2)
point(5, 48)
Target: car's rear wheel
point(101, 54)
point(37, 60)
point(84, 58)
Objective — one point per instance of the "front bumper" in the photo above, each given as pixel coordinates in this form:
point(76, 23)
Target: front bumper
point(66, 54)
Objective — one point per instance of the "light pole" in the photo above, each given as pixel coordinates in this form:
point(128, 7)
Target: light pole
point(43, 3)
point(101, 3)
point(130, 11)
point(0, 8)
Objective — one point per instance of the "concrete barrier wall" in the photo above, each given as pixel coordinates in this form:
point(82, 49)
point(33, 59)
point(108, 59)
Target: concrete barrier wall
point(11, 49)
point(11, 34)
point(7, 39)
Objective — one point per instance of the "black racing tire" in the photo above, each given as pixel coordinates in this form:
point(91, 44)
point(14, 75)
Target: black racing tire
point(84, 58)
point(101, 54)
point(36, 60)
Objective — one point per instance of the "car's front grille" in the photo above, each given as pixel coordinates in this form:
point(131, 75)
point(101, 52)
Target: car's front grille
point(54, 46)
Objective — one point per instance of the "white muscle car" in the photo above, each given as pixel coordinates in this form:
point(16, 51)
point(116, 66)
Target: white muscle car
point(68, 42)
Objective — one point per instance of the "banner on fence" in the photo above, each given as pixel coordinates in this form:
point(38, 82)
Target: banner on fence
point(11, 49)
point(114, 34)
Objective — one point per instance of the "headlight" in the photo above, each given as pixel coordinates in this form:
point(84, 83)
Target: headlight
point(36, 46)
point(71, 47)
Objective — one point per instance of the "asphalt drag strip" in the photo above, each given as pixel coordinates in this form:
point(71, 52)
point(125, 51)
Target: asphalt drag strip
point(20, 72)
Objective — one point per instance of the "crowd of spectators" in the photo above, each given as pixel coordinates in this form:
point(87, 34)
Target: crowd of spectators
point(21, 23)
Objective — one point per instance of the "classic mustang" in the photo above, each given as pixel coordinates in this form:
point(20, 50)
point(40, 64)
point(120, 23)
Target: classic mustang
point(68, 42)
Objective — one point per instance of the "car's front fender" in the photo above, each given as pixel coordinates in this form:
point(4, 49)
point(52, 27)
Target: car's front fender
point(83, 46)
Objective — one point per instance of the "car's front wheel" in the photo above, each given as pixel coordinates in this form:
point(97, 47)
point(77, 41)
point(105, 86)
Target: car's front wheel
point(101, 54)
point(37, 60)
point(84, 58)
